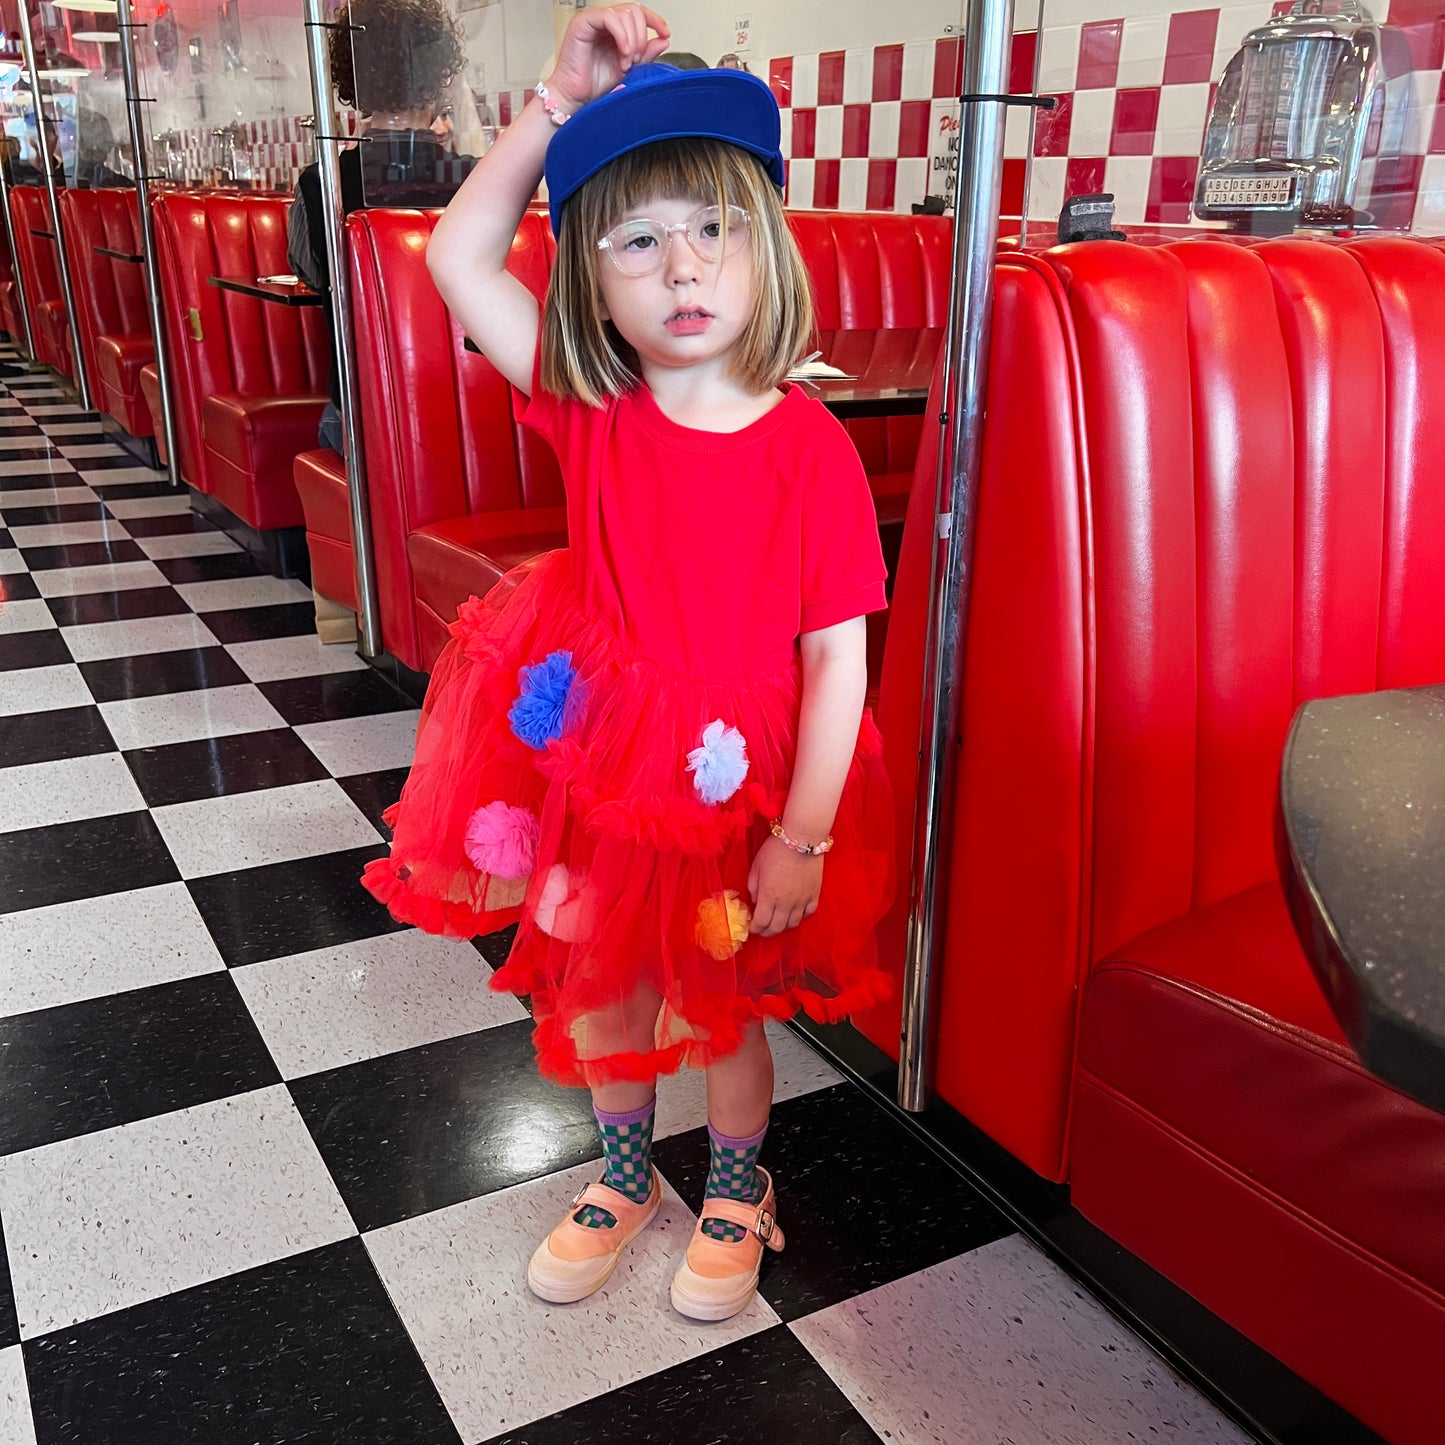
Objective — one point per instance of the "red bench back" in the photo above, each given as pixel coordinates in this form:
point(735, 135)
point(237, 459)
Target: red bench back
point(221, 342)
point(1211, 490)
point(29, 213)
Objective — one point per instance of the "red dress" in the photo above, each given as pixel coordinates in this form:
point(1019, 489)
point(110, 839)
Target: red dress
point(563, 778)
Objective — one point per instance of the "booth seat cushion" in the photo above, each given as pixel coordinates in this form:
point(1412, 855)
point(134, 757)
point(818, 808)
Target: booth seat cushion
point(320, 477)
point(54, 334)
point(119, 359)
point(1213, 1086)
point(251, 443)
point(466, 556)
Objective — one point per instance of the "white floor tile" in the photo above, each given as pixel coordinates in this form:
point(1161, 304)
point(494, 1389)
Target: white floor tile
point(42, 689)
point(178, 717)
point(62, 409)
point(246, 830)
point(100, 946)
point(91, 449)
point(96, 640)
point(682, 1097)
point(64, 534)
point(243, 592)
point(72, 428)
point(109, 1219)
point(124, 508)
point(339, 1005)
point(11, 443)
point(36, 467)
point(31, 615)
point(500, 1357)
point(362, 744)
point(1000, 1344)
point(35, 795)
point(118, 476)
point(60, 495)
point(302, 656)
point(187, 544)
point(113, 577)
point(16, 1425)
point(12, 564)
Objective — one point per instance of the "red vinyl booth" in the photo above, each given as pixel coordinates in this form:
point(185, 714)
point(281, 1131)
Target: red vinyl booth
point(35, 241)
point(10, 296)
point(1212, 489)
point(459, 491)
point(249, 376)
point(110, 300)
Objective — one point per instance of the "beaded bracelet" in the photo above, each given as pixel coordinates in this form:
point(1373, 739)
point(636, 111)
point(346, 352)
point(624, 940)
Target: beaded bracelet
point(554, 114)
point(808, 850)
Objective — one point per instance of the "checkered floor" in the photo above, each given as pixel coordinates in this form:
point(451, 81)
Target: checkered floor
point(271, 1167)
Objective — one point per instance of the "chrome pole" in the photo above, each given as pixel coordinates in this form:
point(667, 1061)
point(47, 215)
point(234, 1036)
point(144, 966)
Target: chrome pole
point(978, 183)
point(62, 254)
point(21, 295)
point(140, 147)
point(328, 159)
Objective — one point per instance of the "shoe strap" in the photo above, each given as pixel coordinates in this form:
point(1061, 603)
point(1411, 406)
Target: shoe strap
point(604, 1196)
point(751, 1217)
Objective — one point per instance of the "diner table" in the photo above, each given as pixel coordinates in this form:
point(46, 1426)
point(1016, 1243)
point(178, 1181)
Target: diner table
point(278, 293)
point(1363, 794)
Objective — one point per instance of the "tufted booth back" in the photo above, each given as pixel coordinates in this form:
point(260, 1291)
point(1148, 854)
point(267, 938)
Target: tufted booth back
point(221, 342)
point(30, 213)
point(441, 434)
point(110, 295)
point(1212, 489)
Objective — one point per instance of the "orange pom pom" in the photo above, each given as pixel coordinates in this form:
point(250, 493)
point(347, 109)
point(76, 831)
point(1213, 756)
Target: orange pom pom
point(722, 925)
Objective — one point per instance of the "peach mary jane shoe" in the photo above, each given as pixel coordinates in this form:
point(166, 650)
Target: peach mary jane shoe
point(575, 1261)
point(717, 1278)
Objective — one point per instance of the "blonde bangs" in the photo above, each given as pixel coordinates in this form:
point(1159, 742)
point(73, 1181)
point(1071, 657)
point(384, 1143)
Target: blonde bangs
point(584, 356)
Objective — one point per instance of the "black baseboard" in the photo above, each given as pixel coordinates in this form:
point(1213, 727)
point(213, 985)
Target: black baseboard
point(1246, 1382)
point(409, 681)
point(280, 550)
point(143, 449)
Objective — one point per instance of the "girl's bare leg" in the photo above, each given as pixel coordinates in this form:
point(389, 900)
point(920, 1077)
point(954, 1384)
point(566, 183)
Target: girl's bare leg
point(626, 1029)
point(740, 1087)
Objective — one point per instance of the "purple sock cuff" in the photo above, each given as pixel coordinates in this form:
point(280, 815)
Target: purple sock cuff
point(625, 1121)
point(752, 1141)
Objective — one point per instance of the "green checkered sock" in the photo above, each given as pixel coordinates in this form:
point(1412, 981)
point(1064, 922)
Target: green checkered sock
point(627, 1152)
point(733, 1176)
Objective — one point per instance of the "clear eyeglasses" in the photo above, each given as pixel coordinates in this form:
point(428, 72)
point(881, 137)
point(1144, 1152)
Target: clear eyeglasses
point(637, 247)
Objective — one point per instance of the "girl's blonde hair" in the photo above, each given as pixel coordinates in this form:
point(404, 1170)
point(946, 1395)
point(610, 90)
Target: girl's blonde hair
point(584, 356)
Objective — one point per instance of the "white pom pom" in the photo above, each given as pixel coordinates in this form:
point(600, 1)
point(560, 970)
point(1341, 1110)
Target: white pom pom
point(720, 764)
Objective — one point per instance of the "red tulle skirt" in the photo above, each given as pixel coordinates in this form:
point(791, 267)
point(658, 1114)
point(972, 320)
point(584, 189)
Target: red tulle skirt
point(632, 941)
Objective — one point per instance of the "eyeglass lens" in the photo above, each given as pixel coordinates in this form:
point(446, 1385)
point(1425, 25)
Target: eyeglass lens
point(638, 246)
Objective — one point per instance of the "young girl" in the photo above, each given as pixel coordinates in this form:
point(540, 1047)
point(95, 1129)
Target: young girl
point(643, 747)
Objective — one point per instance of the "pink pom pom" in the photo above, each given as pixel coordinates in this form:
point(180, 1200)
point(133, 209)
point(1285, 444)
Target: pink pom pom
point(502, 840)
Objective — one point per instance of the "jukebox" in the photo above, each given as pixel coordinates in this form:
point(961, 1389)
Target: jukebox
point(1303, 113)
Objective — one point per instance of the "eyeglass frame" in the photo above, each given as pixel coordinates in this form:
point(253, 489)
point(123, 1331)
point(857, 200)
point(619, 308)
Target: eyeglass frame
point(668, 232)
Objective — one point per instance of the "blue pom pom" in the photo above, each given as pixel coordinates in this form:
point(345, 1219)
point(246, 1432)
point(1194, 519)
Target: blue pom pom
point(720, 764)
point(549, 702)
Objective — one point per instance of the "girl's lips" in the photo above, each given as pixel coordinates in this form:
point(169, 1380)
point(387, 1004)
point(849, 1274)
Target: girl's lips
point(688, 323)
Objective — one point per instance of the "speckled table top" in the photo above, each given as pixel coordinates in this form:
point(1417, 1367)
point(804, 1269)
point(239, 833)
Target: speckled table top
point(1363, 789)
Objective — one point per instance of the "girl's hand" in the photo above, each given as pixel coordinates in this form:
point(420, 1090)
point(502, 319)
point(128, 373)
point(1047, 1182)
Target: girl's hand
point(599, 48)
point(784, 887)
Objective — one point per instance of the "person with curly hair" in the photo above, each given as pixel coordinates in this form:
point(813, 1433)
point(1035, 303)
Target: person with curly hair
point(400, 63)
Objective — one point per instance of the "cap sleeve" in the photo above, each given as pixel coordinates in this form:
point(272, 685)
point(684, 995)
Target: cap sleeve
point(540, 409)
point(843, 569)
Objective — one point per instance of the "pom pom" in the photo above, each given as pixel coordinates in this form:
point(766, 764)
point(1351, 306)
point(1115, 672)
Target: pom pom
point(502, 840)
point(564, 908)
point(722, 925)
point(720, 764)
point(550, 701)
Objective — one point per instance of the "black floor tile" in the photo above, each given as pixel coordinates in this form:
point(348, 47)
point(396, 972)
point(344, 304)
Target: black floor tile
point(38, 481)
point(82, 554)
point(257, 624)
point(374, 793)
point(18, 587)
point(6, 540)
point(9, 1325)
point(496, 947)
point(108, 1061)
point(168, 524)
point(43, 647)
point(42, 737)
point(151, 673)
point(41, 451)
point(209, 569)
point(53, 516)
point(213, 767)
point(124, 606)
point(305, 1351)
point(766, 1388)
point(66, 418)
point(128, 491)
point(284, 908)
point(418, 1130)
point(334, 695)
point(66, 861)
point(104, 464)
point(861, 1202)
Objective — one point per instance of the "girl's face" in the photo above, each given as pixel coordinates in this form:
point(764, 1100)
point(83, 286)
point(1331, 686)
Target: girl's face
point(691, 310)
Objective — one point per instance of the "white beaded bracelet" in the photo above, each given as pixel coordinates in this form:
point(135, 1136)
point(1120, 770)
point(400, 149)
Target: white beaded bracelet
point(554, 114)
point(808, 850)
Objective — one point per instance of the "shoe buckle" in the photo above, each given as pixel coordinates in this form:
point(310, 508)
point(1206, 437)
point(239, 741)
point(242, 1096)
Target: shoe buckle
point(577, 1197)
point(764, 1225)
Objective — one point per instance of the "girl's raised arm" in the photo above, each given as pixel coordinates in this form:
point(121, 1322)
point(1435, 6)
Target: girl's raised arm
point(467, 256)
